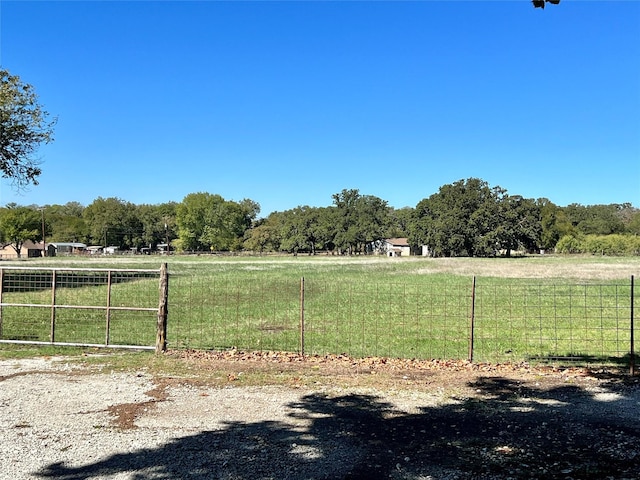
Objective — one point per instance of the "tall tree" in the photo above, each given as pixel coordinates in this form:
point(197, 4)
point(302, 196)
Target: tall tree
point(359, 220)
point(596, 219)
point(519, 224)
point(158, 223)
point(113, 222)
point(19, 224)
point(24, 126)
point(400, 222)
point(469, 218)
point(209, 222)
point(65, 223)
point(459, 220)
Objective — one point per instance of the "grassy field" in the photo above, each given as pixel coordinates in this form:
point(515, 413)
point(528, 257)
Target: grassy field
point(542, 307)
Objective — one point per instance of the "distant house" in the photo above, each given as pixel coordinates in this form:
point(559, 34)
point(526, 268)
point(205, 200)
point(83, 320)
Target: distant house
point(65, 248)
point(29, 249)
point(393, 247)
point(164, 248)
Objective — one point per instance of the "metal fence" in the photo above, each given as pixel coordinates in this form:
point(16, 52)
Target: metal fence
point(484, 320)
point(76, 306)
point(480, 319)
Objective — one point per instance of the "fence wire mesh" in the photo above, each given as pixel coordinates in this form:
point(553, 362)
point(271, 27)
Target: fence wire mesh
point(486, 319)
point(491, 321)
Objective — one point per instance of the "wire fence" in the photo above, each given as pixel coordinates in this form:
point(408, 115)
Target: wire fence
point(476, 319)
point(480, 319)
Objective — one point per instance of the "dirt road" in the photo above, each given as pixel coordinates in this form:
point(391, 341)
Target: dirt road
point(62, 420)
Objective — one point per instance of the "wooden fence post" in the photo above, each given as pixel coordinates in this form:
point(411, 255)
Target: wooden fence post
point(1, 290)
point(161, 335)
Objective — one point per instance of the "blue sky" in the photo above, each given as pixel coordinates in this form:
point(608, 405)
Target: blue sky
point(287, 103)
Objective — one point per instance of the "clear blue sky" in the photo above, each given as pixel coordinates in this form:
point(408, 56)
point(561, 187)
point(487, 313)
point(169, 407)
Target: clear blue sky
point(289, 102)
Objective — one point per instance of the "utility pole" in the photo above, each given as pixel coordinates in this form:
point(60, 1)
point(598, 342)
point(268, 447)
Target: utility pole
point(44, 240)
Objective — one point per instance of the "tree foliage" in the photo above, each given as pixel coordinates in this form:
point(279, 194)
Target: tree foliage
point(65, 223)
point(19, 224)
point(113, 222)
point(470, 218)
point(466, 218)
point(360, 220)
point(209, 222)
point(24, 126)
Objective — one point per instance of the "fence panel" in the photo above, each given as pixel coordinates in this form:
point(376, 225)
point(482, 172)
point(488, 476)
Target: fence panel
point(210, 313)
point(512, 320)
point(97, 307)
point(552, 322)
point(387, 320)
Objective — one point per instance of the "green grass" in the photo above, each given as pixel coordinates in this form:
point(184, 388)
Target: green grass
point(537, 307)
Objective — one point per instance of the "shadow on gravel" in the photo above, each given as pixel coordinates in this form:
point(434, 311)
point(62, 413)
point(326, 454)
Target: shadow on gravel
point(510, 431)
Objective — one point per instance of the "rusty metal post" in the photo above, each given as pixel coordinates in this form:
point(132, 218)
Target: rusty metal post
point(473, 318)
point(52, 333)
point(302, 316)
point(108, 326)
point(632, 355)
point(163, 310)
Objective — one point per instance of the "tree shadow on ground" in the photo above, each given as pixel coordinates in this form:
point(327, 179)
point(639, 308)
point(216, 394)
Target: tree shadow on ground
point(506, 430)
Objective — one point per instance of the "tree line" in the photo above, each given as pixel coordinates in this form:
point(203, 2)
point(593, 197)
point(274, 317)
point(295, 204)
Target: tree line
point(466, 218)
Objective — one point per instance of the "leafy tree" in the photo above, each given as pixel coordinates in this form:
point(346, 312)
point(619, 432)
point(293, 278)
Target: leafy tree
point(634, 224)
point(519, 224)
point(24, 126)
point(359, 220)
point(596, 219)
point(113, 222)
point(305, 229)
point(65, 223)
point(459, 220)
point(553, 222)
point(209, 222)
point(158, 223)
point(19, 224)
point(469, 218)
point(262, 238)
point(399, 222)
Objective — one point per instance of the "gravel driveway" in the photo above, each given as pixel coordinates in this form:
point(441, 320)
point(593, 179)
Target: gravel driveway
point(63, 421)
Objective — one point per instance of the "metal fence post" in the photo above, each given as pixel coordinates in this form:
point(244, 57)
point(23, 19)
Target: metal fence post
point(632, 355)
point(52, 333)
point(302, 316)
point(161, 334)
point(108, 326)
point(473, 318)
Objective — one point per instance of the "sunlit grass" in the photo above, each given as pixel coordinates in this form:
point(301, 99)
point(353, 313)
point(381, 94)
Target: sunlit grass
point(534, 307)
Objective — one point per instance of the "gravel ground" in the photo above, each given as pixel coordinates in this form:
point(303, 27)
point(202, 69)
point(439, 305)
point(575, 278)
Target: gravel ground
point(63, 421)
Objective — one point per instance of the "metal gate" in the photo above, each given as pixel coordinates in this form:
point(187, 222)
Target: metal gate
point(116, 308)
